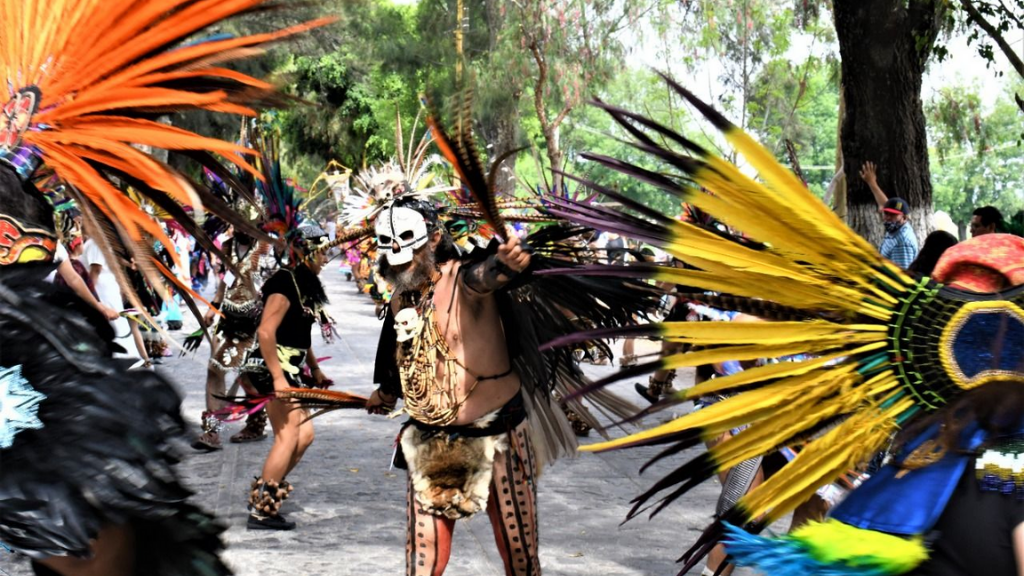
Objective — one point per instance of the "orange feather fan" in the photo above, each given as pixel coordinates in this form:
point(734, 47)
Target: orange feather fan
point(98, 74)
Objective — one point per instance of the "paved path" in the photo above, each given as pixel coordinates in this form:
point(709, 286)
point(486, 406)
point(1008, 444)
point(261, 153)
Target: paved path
point(350, 507)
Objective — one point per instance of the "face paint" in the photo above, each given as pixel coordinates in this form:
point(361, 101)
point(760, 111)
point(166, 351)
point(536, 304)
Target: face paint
point(400, 232)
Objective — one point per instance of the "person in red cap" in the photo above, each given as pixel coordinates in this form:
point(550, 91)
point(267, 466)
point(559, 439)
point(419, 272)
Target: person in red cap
point(899, 243)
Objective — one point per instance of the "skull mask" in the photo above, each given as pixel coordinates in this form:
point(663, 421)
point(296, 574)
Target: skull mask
point(400, 232)
point(407, 324)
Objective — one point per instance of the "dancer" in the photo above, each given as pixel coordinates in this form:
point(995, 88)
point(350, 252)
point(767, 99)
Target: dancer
point(467, 413)
point(293, 300)
point(879, 348)
point(954, 485)
point(238, 300)
point(460, 346)
point(87, 478)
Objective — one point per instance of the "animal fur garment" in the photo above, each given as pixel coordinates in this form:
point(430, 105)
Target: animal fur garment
point(451, 473)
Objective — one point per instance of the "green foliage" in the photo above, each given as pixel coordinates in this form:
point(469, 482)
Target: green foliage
point(976, 154)
point(799, 103)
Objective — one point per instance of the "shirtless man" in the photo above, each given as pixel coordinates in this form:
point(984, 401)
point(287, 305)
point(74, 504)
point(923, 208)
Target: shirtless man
point(466, 445)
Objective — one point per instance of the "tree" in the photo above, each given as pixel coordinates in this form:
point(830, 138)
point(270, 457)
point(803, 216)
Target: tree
point(575, 49)
point(976, 158)
point(798, 103)
point(884, 46)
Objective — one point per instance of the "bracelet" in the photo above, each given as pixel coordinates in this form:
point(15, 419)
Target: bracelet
point(500, 267)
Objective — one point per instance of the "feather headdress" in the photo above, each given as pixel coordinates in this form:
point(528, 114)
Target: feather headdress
point(86, 82)
point(882, 347)
point(408, 176)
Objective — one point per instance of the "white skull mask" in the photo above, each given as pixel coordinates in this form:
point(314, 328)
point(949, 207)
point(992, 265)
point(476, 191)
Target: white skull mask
point(400, 232)
point(407, 324)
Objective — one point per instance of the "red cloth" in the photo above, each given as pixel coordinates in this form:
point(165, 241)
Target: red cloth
point(987, 263)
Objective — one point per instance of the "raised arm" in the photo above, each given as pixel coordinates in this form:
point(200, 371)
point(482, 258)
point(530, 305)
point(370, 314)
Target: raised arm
point(869, 173)
point(485, 277)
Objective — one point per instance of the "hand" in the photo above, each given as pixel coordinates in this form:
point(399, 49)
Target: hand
point(320, 380)
point(512, 255)
point(379, 404)
point(109, 313)
point(869, 173)
point(281, 384)
point(211, 313)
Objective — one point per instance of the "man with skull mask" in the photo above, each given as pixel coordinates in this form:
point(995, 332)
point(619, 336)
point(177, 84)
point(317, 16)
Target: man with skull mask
point(466, 446)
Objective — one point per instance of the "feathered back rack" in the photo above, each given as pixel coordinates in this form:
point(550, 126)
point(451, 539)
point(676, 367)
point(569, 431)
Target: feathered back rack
point(869, 347)
point(461, 151)
point(280, 200)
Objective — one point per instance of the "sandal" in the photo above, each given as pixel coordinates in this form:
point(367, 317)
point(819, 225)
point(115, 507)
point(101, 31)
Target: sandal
point(627, 360)
point(209, 440)
point(255, 428)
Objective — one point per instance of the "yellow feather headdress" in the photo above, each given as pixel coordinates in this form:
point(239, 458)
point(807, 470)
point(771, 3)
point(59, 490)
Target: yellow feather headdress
point(873, 347)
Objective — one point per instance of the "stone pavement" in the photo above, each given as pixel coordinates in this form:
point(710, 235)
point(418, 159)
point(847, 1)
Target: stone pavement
point(349, 505)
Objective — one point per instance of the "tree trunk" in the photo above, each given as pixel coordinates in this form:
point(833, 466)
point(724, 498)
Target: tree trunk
point(884, 45)
point(555, 157)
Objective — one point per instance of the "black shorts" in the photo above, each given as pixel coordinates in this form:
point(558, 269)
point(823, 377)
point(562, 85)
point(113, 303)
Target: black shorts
point(255, 373)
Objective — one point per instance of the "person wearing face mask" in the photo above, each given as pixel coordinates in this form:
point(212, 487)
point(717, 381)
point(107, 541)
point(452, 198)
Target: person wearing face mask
point(899, 243)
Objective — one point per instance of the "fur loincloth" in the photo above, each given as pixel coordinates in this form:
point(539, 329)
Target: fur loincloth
point(451, 467)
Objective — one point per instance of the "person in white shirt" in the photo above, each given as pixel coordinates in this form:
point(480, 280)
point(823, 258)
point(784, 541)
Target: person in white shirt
point(75, 282)
point(109, 293)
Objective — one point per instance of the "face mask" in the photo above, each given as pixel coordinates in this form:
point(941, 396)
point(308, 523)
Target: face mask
point(892, 227)
point(400, 232)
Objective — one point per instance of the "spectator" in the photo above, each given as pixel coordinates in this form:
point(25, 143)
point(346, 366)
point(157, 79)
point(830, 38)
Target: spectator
point(899, 243)
point(108, 292)
point(615, 249)
point(934, 246)
point(986, 220)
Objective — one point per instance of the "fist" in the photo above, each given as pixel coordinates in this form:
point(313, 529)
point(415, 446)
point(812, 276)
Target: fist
point(512, 255)
point(378, 404)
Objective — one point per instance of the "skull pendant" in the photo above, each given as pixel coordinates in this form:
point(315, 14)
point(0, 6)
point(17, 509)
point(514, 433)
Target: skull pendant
point(407, 324)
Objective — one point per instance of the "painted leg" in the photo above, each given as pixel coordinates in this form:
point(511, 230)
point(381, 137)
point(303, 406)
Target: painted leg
point(428, 545)
point(512, 505)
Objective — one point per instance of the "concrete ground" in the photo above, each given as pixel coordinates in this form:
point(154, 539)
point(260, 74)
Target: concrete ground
point(349, 505)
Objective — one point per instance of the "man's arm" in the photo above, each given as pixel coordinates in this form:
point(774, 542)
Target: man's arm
point(314, 368)
point(490, 275)
point(385, 369)
point(94, 273)
point(218, 298)
point(868, 173)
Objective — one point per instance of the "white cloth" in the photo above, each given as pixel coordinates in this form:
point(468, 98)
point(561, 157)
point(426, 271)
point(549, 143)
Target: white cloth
point(59, 255)
point(109, 293)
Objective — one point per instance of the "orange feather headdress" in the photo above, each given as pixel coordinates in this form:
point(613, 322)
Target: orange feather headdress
point(87, 81)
